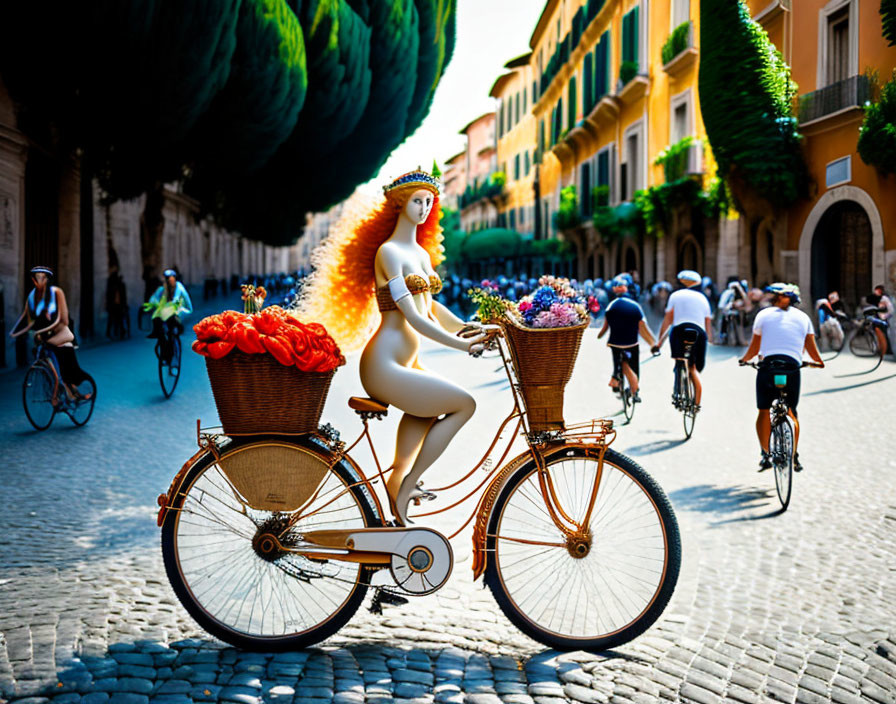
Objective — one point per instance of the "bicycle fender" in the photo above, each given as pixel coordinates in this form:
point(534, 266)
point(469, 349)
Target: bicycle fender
point(164, 500)
point(484, 510)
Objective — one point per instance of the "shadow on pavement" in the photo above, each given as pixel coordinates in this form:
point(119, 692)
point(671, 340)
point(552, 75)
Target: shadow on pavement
point(199, 669)
point(740, 519)
point(648, 448)
point(850, 386)
point(719, 499)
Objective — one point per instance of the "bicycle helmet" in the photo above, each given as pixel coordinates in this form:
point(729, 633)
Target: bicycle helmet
point(619, 281)
point(792, 291)
point(690, 276)
point(169, 272)
point(42, 270)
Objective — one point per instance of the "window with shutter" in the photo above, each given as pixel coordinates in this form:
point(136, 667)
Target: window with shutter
point(572, 105)
point(588, 84)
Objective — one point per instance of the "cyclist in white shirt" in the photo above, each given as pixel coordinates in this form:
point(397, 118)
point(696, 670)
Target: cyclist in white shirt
point(780, 334)
point(688, 315)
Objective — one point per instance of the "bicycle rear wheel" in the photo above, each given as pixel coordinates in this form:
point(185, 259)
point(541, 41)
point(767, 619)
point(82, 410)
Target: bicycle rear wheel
point(80, 410)
point(37, 396)
point(782, 459)
point(628, 399)
point(169, 373)
point(610, 594)
point(223, 565)
point(689, 414)
point(864, 344)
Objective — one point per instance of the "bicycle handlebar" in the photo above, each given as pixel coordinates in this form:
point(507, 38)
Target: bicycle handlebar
point(755, 365)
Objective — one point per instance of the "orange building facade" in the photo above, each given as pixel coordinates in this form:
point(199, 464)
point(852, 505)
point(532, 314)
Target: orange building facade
point(843, 237)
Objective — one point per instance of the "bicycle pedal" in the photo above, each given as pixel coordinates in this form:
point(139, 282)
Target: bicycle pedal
point(382, 597)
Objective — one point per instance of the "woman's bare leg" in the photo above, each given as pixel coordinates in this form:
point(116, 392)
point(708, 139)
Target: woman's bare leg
point(411, 433)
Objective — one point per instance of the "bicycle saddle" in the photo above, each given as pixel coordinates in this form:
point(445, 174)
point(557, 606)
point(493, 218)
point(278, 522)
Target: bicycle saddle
point(367, 405)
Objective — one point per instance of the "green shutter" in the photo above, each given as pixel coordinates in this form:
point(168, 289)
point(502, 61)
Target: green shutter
point(635, 31)
point(573, 103)
point(603, 168)
point(588, 84)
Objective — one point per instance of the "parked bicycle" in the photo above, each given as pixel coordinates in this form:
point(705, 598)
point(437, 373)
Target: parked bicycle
point(683, 393)
point(271, 542)
point(782, 439)
point(44, 393)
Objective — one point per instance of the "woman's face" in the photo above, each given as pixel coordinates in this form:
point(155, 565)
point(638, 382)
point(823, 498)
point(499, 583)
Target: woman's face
point(39, 279)
point(419, 206)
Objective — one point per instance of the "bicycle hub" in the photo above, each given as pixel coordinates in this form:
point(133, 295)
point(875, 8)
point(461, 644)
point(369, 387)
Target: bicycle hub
point(579, 546)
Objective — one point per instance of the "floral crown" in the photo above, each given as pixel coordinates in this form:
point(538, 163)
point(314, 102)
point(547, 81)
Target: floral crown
point(417, 178)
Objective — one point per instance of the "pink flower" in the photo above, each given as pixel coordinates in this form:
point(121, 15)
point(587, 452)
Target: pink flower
point(525, 305)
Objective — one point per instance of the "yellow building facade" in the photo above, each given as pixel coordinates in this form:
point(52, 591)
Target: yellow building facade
point(516, 145)
point(609, 89)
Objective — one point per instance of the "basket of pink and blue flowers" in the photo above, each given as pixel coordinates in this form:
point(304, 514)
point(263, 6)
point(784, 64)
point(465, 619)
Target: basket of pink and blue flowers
point(543, 331)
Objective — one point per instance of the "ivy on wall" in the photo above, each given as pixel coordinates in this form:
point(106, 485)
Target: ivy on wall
point(877, 135)
point(746, 97)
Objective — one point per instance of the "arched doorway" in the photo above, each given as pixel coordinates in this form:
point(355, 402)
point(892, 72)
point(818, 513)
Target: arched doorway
point(689, 254)
point(627, 259)
point(842, 253)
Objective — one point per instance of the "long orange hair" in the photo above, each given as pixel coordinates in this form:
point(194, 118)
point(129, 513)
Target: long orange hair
point(340, 292)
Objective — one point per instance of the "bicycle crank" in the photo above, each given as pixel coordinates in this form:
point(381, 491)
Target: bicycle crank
point(420, 559)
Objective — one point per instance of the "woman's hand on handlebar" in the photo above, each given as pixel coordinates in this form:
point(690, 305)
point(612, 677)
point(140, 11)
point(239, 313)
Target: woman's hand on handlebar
point(817, 365)
point(481, 341)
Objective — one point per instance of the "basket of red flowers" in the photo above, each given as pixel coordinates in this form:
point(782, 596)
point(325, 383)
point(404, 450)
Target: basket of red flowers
point(270, 372)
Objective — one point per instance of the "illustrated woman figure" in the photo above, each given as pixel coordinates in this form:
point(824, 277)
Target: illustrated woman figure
point(384, 267)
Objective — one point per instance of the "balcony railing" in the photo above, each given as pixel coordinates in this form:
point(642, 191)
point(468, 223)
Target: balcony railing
point(849, 93)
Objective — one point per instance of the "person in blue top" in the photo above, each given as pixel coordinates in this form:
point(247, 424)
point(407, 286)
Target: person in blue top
point(169, 302)
point(625, 320)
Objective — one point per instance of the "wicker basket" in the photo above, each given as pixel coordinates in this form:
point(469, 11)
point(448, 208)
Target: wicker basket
point(257, 395)
point(543, 359)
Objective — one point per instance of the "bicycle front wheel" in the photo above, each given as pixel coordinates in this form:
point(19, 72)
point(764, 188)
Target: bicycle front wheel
point(38, 392)
point(614, 591)
point(80, 410)
point(782, 459)
point(169, 372)
point(237, 582)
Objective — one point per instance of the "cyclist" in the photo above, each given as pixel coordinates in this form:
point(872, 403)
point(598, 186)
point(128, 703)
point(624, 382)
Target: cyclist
point(46, 315)
point(780, 334)
point(170, 300)
point(688, 311)
point(884, 313)
point(625, 320)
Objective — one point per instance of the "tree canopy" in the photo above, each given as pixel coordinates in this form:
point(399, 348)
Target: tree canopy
point(265, 109)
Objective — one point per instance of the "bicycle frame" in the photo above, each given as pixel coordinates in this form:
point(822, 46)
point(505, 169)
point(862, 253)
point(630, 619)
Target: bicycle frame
point(595, 436)
point(46, 358)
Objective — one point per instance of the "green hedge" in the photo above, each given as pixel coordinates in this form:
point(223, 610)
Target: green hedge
point(568, 215)
point(627, 71)
point(677, 42)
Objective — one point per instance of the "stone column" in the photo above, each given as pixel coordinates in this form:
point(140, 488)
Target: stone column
point(13, 154)
point(69, 274)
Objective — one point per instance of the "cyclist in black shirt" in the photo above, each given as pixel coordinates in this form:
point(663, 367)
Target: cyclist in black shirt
point(625, 320)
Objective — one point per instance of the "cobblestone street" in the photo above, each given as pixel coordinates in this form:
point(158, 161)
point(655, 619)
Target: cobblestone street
point(792, 607)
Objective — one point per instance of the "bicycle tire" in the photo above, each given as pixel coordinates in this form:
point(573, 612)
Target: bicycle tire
point(174, 540)
point(688, 414)
point(782, 454)
point(628, 400)
point(167, 380)
point(87, 386)
point(619, 471)
point(37, 389)
point(864, 344)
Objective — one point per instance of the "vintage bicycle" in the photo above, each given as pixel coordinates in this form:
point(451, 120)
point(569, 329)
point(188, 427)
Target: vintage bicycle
point(781, 441)
point(44, 394)
point(271, 542)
